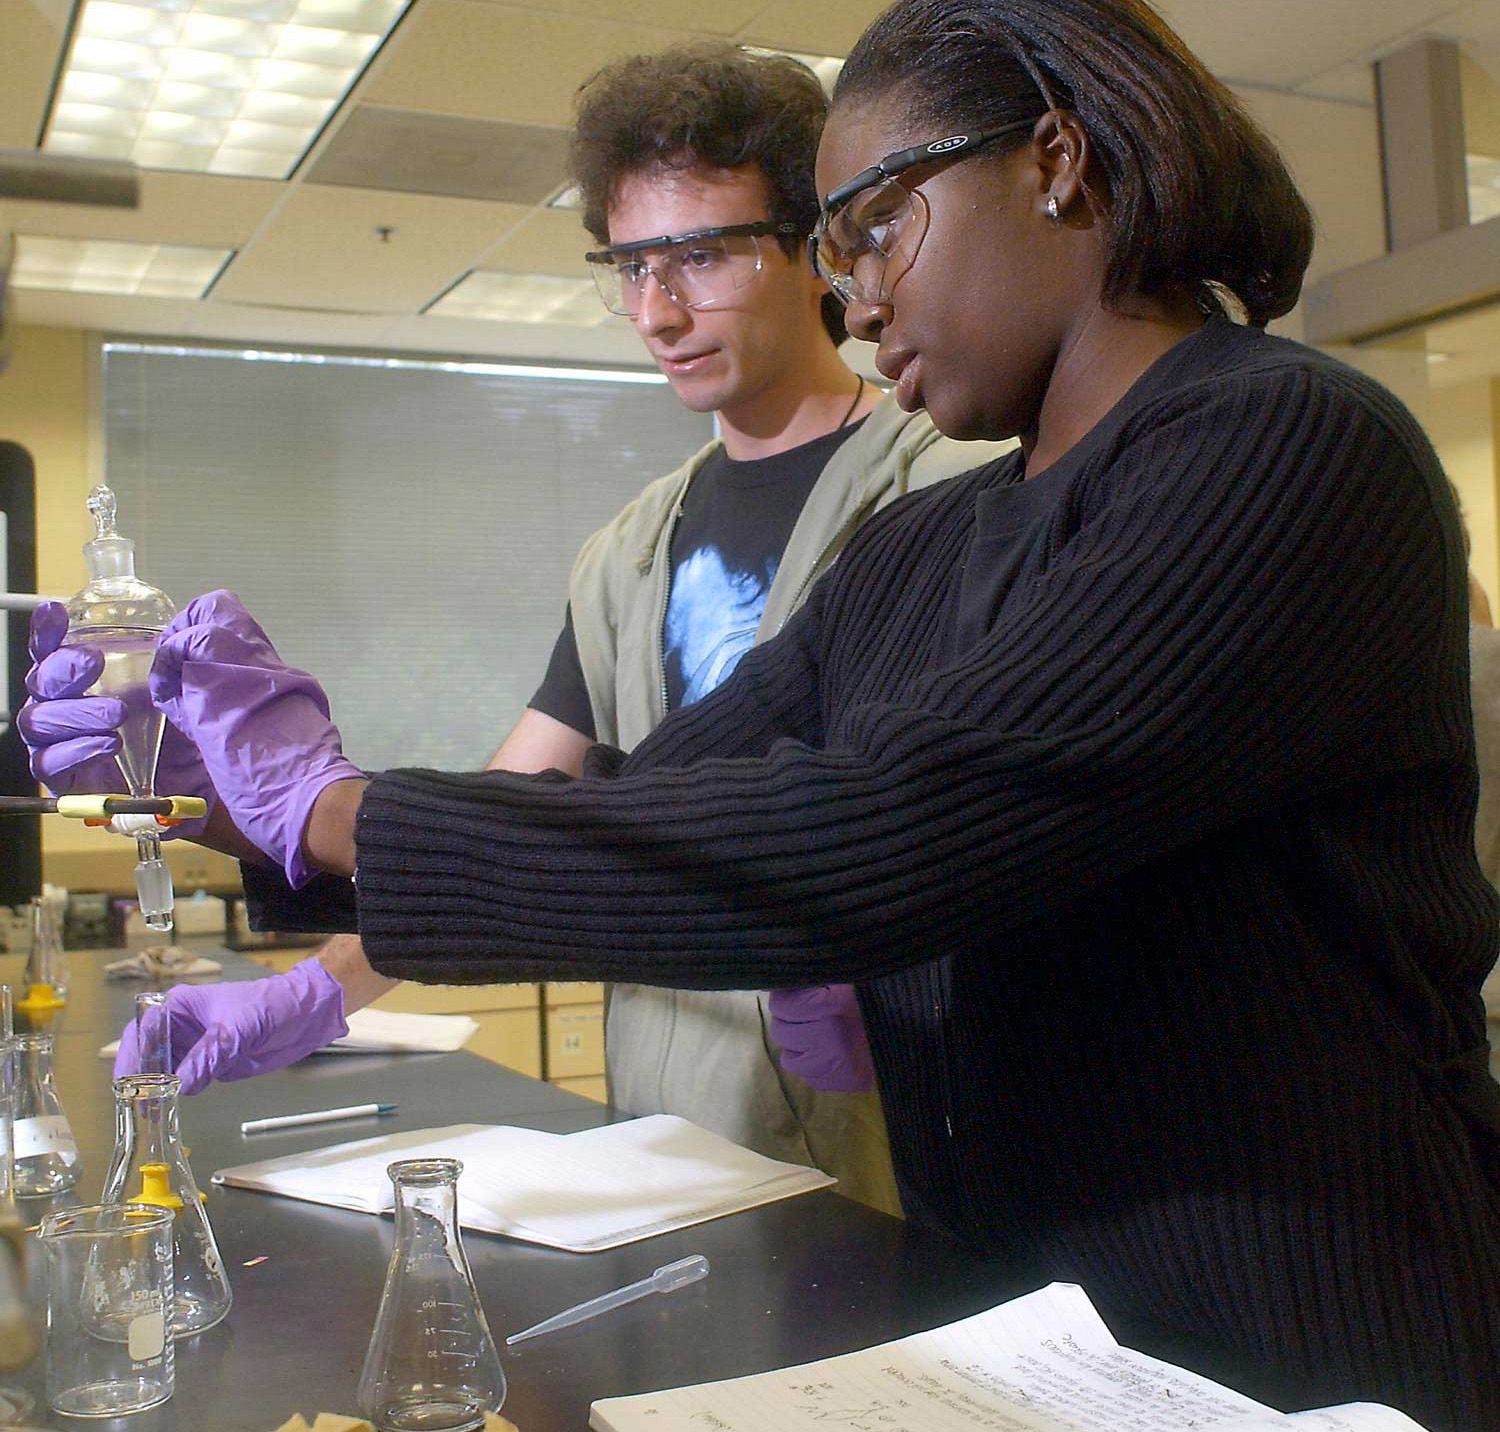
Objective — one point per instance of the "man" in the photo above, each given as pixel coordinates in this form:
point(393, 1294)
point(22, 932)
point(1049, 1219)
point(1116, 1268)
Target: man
point(720, 144)
point(696, 170)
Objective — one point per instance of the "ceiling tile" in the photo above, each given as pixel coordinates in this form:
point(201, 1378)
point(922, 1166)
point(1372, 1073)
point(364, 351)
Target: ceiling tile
point(828, 28)
point(545, 241)
point(416, 153)
point(491, 61)
point(723, 17)
point(175, 208)
point(1477, 21)
point(322, 250)
point(1354, 83)
point(29, 52)
point(1283, 42)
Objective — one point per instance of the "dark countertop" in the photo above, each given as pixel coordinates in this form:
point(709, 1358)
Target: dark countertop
point(805, 1278)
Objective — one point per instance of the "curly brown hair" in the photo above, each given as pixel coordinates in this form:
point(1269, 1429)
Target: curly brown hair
point(714, 105)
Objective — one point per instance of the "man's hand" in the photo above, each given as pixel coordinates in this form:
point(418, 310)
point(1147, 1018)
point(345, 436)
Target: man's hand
point(822, 1038)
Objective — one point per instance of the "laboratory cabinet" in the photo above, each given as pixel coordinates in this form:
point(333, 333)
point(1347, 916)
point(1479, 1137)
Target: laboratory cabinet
point(553, 1031)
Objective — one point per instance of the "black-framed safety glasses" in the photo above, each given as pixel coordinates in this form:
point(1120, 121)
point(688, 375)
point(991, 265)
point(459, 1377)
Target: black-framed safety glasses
point(871, 227)
point(695, 270)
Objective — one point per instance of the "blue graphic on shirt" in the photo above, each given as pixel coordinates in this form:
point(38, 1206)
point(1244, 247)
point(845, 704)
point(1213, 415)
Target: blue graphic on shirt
point(711, 619)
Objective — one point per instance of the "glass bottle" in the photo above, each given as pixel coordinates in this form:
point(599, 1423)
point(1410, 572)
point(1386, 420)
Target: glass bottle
point(149, 1167)
point(121, 617)
point(432, 1365)
point(45, 1152)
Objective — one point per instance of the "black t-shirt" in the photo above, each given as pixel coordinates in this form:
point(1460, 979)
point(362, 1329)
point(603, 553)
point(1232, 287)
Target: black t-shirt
point(726, 549)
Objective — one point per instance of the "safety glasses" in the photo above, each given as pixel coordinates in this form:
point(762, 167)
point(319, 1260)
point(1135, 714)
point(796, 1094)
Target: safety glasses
point(872, 226)
point(695, 270)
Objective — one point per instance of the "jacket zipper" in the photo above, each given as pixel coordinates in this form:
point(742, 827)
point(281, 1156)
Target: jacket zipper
point(661, 616)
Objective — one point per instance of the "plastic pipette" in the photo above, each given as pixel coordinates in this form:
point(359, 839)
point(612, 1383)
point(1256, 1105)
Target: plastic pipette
point(665, 1280)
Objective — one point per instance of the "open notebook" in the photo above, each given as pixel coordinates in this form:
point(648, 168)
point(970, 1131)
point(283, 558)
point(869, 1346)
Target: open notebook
point(1042, 1363)
point(583, 1192)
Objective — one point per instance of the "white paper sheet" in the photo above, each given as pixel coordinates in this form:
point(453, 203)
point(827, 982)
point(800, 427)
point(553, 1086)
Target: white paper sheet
point(379, 1031)
point(595, 1189)
point(1042, 1363)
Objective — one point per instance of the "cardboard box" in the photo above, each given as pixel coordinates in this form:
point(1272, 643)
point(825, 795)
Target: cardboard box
point(575, 1041)
point(555, 993)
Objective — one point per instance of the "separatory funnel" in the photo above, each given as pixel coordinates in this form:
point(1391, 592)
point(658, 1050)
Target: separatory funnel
point(121, 617)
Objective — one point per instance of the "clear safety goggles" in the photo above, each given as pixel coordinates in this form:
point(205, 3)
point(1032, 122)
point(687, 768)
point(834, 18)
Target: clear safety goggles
point(870, 228)
point(694, 270)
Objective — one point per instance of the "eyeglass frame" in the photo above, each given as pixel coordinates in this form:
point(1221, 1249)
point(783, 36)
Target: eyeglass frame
point(760, 228)
point(955, 146)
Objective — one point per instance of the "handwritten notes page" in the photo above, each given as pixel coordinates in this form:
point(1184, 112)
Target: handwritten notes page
point(586, 1191)
point(1042, 1363)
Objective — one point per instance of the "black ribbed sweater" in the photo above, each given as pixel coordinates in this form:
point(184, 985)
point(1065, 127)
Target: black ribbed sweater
point(1138, 801)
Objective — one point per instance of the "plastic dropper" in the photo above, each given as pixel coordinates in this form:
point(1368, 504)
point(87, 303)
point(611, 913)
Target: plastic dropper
point(665, 1280)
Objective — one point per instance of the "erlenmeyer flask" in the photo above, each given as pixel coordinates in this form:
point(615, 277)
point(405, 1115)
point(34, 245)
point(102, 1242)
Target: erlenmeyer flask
point(44, 985)
point(45, 1152)
point(432, 1364)
point(149, 1167)
point(121, 617)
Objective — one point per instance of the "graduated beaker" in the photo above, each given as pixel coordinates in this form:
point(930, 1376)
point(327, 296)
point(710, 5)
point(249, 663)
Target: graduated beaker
point(431, 1365)
point(150, 1168)
point(109, 1277)
point(45, 1152)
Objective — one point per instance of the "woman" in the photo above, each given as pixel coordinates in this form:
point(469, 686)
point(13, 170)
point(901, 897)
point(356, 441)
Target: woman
point(1131, 778)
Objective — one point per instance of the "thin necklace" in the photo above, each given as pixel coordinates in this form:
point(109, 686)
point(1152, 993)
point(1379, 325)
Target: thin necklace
point(859, 392)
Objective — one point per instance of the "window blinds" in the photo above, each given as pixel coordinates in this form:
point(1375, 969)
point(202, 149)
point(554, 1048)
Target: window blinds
point(402, 529)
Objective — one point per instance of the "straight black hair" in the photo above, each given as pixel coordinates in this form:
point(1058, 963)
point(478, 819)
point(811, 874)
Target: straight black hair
point(1198, 195)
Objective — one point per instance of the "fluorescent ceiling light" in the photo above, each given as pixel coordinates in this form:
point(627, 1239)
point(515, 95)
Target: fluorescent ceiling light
point(105, 266)
point(570, 197)
point(523, 298)
point(216, 86)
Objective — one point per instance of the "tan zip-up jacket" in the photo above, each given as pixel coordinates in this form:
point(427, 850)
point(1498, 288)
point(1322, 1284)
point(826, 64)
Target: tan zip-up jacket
point(706, 1055)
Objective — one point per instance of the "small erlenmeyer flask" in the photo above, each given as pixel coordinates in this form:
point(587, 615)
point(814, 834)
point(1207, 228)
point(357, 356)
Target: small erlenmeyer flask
point(47, 964)
point(150, 1167)
point(431, 1364)
point(46, 1154)
point(121, 617)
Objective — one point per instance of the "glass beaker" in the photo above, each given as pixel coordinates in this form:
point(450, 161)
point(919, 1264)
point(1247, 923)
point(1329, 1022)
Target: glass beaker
point(109, 1278)
point(150, 1168)
point(121, 617)
point(45, 1152)
point(431, 1365)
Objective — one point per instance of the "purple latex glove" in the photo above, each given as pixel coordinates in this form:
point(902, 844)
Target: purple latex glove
point(235, 1031)
point(73, 738)
point(822, 1038)
point(262, 727)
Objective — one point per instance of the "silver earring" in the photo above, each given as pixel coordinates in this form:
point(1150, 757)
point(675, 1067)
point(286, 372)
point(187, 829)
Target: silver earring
point(1053, 212)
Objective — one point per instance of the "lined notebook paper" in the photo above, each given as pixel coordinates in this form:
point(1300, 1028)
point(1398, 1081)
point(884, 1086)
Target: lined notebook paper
point(584, 1192)
point(1042, 1363)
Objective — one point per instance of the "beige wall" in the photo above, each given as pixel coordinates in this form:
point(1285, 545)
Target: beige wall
point(1461, 421)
